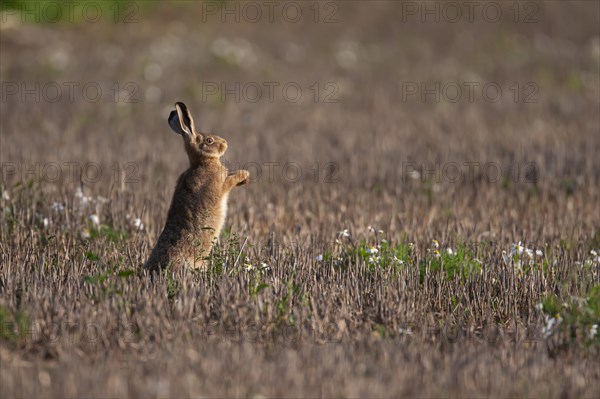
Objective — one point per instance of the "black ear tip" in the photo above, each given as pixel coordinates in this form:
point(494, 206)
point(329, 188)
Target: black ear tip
point(172, 116)
point(180, 105)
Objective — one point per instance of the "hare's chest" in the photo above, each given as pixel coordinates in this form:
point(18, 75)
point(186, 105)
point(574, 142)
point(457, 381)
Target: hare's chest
point(222, 212)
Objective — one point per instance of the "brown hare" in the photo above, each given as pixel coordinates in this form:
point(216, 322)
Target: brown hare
point(199, 204)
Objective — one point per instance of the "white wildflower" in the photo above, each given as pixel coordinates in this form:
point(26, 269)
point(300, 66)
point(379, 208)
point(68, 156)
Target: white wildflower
point(449, 251)
point(57, 206)
point(249, 267)
point(436, 244)
point(5, 195)
point(264, 266)
point(529, 253)
point(593, 253)
point(372, 250)
point(374, 259)
point(46, 222)
point(95, 219)
point(539, 253)
point(540, 306)
point(319, 258)
point(137, 223)
point(344, 233)
point(594, 331)
point(371, 229)
point(79, 194)
point(551, 323)
point(517, 249)
point(85, 233)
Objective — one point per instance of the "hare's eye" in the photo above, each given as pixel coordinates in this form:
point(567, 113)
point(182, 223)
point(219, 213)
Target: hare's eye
point(209, 140)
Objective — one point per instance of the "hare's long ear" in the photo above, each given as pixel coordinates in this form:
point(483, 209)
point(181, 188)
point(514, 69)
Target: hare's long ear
point(181, 121)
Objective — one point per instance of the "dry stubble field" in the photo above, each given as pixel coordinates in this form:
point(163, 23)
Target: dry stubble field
point(391, 243)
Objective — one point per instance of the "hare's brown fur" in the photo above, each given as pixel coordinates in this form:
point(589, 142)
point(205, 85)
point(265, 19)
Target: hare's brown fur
point(199, 204)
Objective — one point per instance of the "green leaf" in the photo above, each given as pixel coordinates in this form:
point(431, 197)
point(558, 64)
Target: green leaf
point(92, 256)
point(126, 273)
point(90, 279)
point(260, 287)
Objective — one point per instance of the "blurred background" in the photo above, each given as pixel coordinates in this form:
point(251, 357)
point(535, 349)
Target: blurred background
point(370, 109)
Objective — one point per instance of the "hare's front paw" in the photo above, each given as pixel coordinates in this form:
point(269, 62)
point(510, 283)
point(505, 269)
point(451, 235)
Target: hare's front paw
point(243, 177)
point(237, 178)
